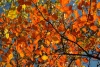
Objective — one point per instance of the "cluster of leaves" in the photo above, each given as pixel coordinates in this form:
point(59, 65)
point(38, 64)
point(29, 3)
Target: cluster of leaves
point(52, 33)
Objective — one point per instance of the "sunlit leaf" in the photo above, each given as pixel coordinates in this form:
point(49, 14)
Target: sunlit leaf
point(85, 60)
point(7, 35)
point(98, 33)
point(94, 28)
point(55, 39)
point(98, 5)
point(22, 54)
point(35, 1)
point(10, 56)
point(78, 62)
point(24, 6)
point(12, 14)
point(71, 37)
point(44, 57)
point(64, 2)
point(5, 31)
point(9, 65)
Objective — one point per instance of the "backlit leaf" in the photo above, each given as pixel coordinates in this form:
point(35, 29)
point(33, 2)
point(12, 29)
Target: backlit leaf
point(12, 14)
point(94, 28)
point(64, 2)
point(10, 56)
point(8, 65)
point(7, 35)
point(71, 37)
point(24, 6)
point(98, 5)
point(5, 31)
point(85, 60)
point(44, 57)
point(78, 62)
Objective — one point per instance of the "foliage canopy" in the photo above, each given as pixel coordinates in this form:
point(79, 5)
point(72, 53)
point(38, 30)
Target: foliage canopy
point(53, 33)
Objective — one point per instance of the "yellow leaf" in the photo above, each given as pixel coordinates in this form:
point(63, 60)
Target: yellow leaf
point(5, 31)
point(8, 65)
point(83, 66)
point(44, 57)
point(48, 33)
point(12, 14)
point(10, 56)
point(7, 35)
point(99, 22)
point(55, 39)
point(26, 15)
point(22, 54)
point(36, 56)
point(24, 6)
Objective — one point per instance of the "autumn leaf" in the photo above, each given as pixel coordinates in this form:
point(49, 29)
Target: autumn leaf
point(55, 17)
point(83, 18)
point(94, 28)
point(71, 37)
point(61, 27)
point(98, 5)
point(23, 6)
point(7, 35)
point(35, 1)
point(97, 49)
point(9, 65)
point(21, 54)
point(5, 31)
point(44, 57)
point(10, 56)
point(85, 60)
point(78, 62)
point(55, 39)
point(64, 2)
point(98, 33)
point(12, 14)
point(84, 30)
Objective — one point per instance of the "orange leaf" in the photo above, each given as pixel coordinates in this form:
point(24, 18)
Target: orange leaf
point(64, 2)
point(94, 28)
point(98, 5)
point(76, 13)
point(35, 1)
point(84, 29)
point(98, 33)
point(71, 37)
point(54, 16)
point(78, 62)
point(61, 27)
point(55, 39)
point(85, 60)
point(83, 18)
point(97, 49)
